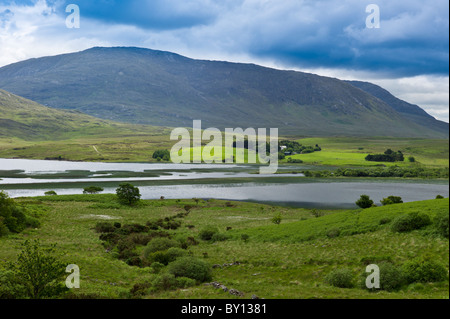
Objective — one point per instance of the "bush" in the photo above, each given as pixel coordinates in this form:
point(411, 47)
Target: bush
point(168, 256)
point(161, 154)
point(277, 219)
point(391, 277)
point(335, 232)
point(208, 232)
point(245, 237)
point(165, 282)
point(50, 193)
point(159, 244)
point(364, 202)
point(409, 222)
point(12, 217)
point(105, 227)
point(157, 267)
point(391, 200)
point(191, 267)
point(341, 278)
point(170, 282)
point(424, 270)
point(441, 224)
point(128, 194)
point(439, 197)
point(219, 237)
point(92, 190)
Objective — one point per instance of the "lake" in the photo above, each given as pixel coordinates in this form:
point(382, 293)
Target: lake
point(24, 178)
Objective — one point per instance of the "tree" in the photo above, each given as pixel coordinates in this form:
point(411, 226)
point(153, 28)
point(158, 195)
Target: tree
point(12, 217)
point(364, 202)
point(128, 194)
point(37, 273)
point(92, 190)
point(277, 219)
point(161, 154)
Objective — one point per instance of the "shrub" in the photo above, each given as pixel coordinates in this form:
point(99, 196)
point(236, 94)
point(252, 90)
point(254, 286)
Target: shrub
point(191, 267)
point(175, 252)
point(105, 227)
point(160, 257)
point(441, 224)
point(424, 270)
point(439, 197)
point(391, 200)
point(161, 154)
point(159, 244)
point(128, 194)
point(50, 193)
point(140, 290)
point(385, 220)
point(167, 256)
point(409, 222)
point(335, 232)
point(165, 282)
point(208, 232)
point(317, 213)
point(157, 267)
point(12, 217)
point(341, 278)
point(219, 237)
point(184, 282)
point(135, 228)
point(364, 202)
point(391, 277)
point(245, 237)
point(277, 219)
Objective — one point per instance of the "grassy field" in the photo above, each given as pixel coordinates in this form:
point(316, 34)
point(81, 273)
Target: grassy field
point(139, 146)
point(289, 260)
point(352, 151)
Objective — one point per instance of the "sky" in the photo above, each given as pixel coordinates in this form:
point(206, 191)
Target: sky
point(407, 54)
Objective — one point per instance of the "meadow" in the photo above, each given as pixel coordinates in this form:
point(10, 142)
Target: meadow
point(138, 145)
point(346, 151)
point(289, 260)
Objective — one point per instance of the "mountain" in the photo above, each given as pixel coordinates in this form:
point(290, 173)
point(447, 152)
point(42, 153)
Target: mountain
point(410, 111)
point(145, 86)
point(27, 120)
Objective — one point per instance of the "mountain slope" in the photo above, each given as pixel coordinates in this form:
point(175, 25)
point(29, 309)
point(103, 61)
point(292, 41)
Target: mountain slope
point(410, 111)
point(27, 120)
point(160, 88)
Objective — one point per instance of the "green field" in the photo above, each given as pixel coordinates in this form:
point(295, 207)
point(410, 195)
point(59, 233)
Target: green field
point(139, 146)
point(352, 151)
point(289, 260)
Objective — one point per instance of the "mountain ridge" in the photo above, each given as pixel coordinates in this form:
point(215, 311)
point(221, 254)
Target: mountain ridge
point(143, 86)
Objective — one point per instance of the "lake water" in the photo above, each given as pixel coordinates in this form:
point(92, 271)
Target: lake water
point(302, 193)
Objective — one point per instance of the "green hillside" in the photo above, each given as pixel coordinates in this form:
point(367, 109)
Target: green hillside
point(165, 89)
point(30, 121)
point(346, 223)
point(292, 260)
